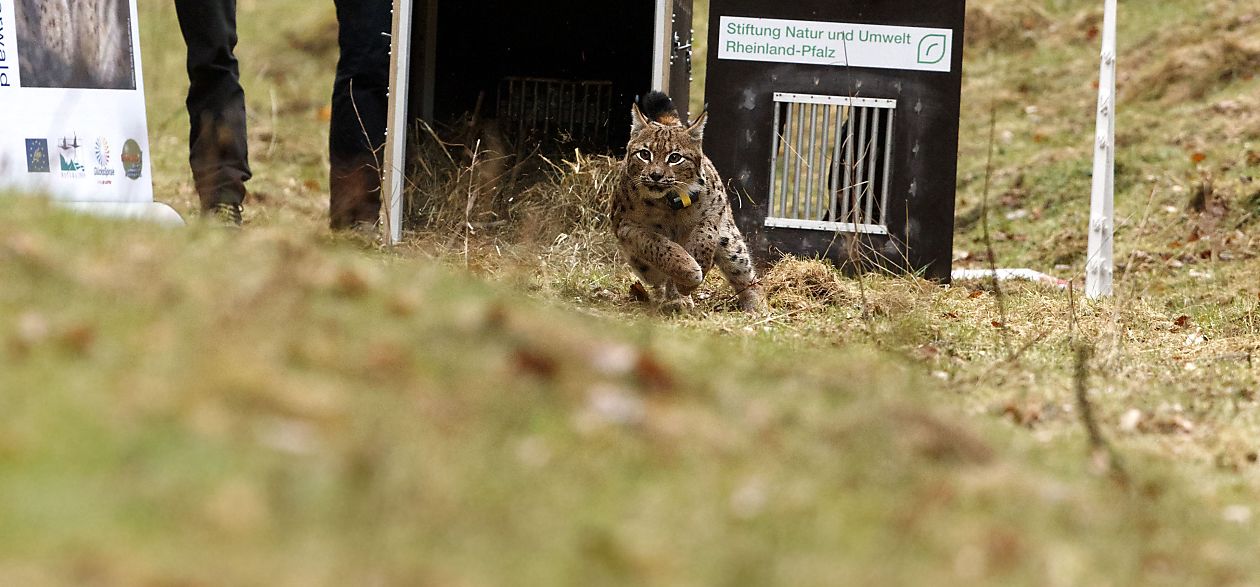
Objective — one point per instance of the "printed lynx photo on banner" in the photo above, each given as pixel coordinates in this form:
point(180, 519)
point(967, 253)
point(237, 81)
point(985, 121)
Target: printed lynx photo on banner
point(82, 45)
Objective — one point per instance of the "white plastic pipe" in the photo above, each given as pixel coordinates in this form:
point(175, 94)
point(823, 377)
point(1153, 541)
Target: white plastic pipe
point(1100, 264)
point(960, 275)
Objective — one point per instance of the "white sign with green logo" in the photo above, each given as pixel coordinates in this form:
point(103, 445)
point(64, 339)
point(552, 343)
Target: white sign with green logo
point(835, 43)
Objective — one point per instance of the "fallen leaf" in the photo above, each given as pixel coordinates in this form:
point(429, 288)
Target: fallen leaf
point(496, 317)
point(1170, 425)
point(403, 304)
point(352, 283)
point(652, 374)
point(639, 293)
point(1024, 415)
point(536, 364)
point(78, 339)
point(387, 358)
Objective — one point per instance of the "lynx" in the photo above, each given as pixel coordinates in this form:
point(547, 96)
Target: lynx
point(670, 211)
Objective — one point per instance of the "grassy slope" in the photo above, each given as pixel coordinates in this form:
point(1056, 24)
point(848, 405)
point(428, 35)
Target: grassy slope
point(278, 408)
point(299, 413)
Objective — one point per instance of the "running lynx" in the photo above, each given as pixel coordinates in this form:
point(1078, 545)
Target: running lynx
point(670, 211)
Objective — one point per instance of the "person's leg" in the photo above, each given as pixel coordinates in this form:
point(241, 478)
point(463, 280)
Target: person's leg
point(218, 148)
point(359, 109)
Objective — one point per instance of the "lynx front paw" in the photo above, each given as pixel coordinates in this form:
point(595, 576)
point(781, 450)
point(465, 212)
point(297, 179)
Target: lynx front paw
point(689, 279)
point(678, 305)
point(752, 301)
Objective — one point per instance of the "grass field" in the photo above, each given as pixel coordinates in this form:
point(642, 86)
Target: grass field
point(287, 407)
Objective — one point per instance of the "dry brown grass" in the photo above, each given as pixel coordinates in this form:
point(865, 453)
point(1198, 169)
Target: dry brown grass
point(1008, 26)
point(1193, 71)
point(531, 204)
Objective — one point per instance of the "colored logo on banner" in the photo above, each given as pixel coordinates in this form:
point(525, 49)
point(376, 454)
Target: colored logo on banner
point(37, 156)
point(132, 159)
point(102, 154)
point(70, 166)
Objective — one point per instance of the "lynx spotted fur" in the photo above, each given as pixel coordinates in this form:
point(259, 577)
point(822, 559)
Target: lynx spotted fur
point(670, 212)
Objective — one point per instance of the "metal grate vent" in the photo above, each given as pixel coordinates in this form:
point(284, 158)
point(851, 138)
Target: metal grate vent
point(536, 109)
point(831, 163)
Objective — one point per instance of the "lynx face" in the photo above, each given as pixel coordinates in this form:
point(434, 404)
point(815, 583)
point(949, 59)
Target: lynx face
point(665, 157)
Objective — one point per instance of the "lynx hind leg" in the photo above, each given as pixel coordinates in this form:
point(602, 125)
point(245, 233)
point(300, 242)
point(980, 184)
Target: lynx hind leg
point(665, 292)
point(735, 262)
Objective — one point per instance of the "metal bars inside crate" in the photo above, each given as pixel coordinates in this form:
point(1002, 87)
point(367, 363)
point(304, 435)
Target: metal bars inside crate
point(542, 109)
point(831, 163)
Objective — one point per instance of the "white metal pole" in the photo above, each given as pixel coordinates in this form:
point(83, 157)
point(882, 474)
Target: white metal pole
point(663, 31)
point(394, 172)
point(1100, 264)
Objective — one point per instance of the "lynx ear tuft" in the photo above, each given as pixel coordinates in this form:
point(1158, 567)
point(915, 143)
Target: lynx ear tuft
point(696, 130)
point(638, 121)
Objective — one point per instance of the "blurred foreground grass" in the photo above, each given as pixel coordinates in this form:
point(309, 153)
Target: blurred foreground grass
point(197, 407)
point(200, 407)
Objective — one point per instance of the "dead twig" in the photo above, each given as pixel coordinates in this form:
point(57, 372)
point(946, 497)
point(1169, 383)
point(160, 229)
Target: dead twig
point(786, 315)
point(1102, 453)
point(472, 201)
point(999, 296)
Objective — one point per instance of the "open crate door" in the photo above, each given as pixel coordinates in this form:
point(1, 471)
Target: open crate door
point(836, 124)
point(570, 70)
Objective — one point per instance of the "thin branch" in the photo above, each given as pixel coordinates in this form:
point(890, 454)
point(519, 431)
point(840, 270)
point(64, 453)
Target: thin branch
point(1003, 332)
point(472, 200)
point(1100, 449)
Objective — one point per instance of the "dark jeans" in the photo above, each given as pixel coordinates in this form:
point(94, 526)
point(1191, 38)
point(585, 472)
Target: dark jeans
point(359, 108)
point(218, 148)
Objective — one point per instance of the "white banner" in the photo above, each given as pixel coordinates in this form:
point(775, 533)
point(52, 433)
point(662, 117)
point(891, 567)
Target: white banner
point(72, 117)
point(836, 44)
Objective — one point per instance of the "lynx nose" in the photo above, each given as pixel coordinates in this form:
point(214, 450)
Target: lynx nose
point(656, 176)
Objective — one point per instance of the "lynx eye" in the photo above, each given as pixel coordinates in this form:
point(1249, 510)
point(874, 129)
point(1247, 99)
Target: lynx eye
point(644, 154)
point(675, 159)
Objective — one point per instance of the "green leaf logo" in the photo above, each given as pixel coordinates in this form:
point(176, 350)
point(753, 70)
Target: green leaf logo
point(932, 49)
